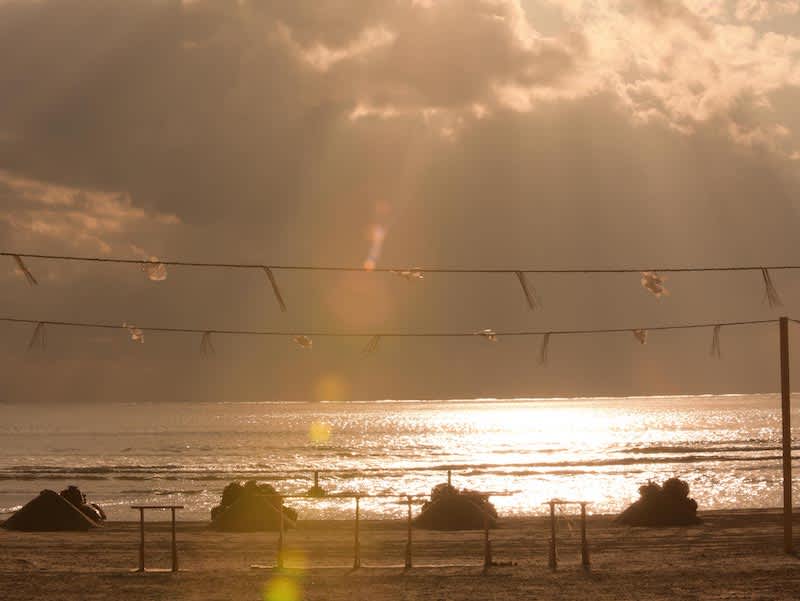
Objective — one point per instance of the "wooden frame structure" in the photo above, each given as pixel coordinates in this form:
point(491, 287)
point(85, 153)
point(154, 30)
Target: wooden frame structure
point(552, 561)
point(141, 509)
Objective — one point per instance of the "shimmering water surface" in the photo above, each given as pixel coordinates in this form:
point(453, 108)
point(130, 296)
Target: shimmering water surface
point(598, 450)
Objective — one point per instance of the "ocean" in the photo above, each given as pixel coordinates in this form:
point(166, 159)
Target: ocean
point(597, 450)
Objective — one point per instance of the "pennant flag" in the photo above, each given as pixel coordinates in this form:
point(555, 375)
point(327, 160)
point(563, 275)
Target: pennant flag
point(716, 349)
point(25, 271)
point(490, 335)
point(529, 291)
point(372, 345)
point(544, 350)
point(770, 292)
point(39, 338)
point(304, 341)
point(136, 334)
point(641, 336)
point(155, 270)
point(654, 282)
point(206, 346)
point(409, 274)
point(275, 289)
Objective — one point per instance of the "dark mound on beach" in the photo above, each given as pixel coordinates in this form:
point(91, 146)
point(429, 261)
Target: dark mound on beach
point(92, 511)
point(251, 507)
point(665, 505)
point(49, 512)
point(453, 509)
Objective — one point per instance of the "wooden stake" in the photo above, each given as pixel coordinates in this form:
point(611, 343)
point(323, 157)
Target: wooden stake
point(584, 541)
point(786, 423)
point(174, 543)
point(356, 544)
point(141, 539)
point(553, 560)
point(487, 545)
point(280, 537)
point(408, 543)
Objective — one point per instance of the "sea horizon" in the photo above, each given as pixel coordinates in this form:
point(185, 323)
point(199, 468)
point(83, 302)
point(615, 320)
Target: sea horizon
point(510, 399)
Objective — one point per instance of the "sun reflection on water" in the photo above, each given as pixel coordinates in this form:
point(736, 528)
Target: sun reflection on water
point(599, 451)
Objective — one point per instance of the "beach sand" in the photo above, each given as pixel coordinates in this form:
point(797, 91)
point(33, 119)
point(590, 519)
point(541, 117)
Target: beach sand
point(732, 555)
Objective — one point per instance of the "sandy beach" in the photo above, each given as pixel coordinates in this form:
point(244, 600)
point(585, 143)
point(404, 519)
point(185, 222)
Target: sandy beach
point(732, 555)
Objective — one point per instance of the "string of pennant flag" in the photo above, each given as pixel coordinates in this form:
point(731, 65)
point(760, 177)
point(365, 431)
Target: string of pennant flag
point(653, 280)
point(305, 340)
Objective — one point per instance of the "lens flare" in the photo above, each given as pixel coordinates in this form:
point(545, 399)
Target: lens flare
point(331, 387)
point(377, 235)
point(319, 432)
point(281, 588)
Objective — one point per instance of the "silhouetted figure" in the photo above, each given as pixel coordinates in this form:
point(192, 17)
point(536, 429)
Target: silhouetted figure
point(666, 505)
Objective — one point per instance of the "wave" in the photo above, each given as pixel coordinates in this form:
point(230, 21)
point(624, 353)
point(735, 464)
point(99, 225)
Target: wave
point(163, 492)
point(710, 448)
point(176, 472)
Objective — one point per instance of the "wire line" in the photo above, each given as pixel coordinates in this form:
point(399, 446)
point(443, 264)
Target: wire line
point(184, 263)
point(333, 334)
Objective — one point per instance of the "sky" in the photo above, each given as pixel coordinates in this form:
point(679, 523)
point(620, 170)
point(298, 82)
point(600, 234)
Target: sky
point(452, 133)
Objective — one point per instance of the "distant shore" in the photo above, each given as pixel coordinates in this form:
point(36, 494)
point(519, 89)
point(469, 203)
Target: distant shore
point(732, 554)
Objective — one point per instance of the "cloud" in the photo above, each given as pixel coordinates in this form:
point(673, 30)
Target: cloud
point(665, 61)
point(442, 56)
point(761, 10)
point(322, 57)
point(37, 213)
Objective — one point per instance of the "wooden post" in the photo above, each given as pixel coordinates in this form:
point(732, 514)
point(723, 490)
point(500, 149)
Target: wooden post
point(786, 422)
point(408, 543)
point(487, 545)
point(280, 536)
point(584, 541)
point(174, 543)
point(141, 539)
point(553, 559)
point(449, 477)
point(356, 544)
point(316, 479)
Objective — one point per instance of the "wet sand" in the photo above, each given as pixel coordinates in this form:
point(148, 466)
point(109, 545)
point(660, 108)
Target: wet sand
point(732, 555)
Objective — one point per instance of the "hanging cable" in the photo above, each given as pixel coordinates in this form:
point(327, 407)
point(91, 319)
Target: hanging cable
point(403, 270)
point(334, 334)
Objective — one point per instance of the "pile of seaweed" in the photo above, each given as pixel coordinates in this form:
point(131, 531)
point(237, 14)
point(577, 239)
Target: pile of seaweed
point(665, 505)
point(251, 507)
point(51, 512)
point(453, 509)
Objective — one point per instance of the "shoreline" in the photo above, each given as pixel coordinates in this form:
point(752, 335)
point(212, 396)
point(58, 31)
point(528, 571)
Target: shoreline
point(733, 553)
point(502, 519)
